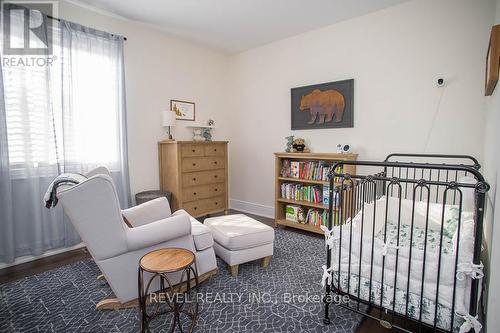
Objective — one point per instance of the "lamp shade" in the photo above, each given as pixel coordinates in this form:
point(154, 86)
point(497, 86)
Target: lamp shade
point(168, 118)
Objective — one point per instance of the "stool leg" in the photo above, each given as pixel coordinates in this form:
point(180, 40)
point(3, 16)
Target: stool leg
point(265, 261)
point(234, 270)
point(141, 299)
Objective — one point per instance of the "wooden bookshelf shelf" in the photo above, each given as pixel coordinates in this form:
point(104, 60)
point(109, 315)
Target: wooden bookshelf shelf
point(281, 203)
point(304, 181)
point(303, 203)
point(307, 227)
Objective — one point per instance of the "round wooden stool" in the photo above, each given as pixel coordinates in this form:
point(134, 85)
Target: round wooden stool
point(160, 263)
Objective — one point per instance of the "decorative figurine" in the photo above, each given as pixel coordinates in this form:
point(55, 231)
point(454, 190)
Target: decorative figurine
point(197, 134)
point(206, 133)
point(289, 143)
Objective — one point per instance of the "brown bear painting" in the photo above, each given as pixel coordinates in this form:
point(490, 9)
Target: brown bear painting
point(324, 105)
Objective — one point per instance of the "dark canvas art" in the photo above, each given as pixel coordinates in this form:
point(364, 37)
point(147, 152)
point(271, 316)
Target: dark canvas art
point(325, 105)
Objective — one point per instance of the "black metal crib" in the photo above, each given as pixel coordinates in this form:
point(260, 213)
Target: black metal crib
point(404, 241)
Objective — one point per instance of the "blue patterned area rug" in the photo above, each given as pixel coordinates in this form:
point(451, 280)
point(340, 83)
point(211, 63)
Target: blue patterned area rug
point(284, 297)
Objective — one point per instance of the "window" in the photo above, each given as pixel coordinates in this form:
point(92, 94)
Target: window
point(67, 114)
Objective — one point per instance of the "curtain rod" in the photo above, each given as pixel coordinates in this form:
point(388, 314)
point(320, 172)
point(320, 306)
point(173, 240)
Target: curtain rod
point(58, 19)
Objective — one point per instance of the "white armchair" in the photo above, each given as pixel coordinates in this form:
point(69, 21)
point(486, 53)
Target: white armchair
point(93, 208)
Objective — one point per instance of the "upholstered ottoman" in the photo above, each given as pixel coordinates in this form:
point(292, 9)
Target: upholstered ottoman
point(239, 239)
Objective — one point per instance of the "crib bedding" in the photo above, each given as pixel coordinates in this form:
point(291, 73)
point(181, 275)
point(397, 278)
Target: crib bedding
point(387, 248)
point(443, 312)
point(418, 241)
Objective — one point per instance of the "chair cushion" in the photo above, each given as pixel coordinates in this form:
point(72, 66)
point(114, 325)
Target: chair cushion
point(202, 236)
point(154, 210)
point(238, 232)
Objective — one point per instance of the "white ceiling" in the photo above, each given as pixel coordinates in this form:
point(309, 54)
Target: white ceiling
point(237, 25)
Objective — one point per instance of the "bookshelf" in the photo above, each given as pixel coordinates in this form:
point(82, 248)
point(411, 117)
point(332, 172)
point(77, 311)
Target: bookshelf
point(281, 203)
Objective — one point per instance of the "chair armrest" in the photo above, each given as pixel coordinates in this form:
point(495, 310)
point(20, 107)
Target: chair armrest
point(158, 232)
point(150, 211)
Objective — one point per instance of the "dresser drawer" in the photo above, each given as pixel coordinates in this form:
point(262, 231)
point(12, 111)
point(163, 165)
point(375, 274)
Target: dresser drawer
point(217, 189)
point(215, 149)
point(215, 162)
point(192, 150)
point(194, 193)
point(202, 177)
point(190, 164)
point(204, 206)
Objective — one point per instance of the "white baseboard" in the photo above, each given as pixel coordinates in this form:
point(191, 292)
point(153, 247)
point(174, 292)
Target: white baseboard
point(25, 259)
point(252, 208)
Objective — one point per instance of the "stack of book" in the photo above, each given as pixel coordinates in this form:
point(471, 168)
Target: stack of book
point(317, 217)
point(310, 170)
point(300, 192)
point(317, 170)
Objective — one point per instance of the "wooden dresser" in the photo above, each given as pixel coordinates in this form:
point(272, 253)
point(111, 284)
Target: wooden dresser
point(196, 174)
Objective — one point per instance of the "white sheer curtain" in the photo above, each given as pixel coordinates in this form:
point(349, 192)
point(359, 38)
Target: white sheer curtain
point(93, 103)
point(64, 117)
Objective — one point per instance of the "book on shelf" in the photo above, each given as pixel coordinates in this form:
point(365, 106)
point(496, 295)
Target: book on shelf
point(294, 169)
point(300, 192)
point(285, 169)
point(309, 170)
point(294, 213)
point(314, 217)
point(317, 217)
point(338, 170)
point(326, 194)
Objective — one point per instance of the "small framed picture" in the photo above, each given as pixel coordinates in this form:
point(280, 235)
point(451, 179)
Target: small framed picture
point(183, 110)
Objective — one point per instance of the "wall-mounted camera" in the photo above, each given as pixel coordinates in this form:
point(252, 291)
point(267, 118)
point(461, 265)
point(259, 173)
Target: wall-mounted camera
point(343, 148)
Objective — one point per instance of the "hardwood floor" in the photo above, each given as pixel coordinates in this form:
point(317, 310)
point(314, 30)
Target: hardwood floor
point(40, 265)
point(17, 272)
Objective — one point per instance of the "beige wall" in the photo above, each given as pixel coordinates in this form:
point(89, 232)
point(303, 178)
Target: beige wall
point(159, 68)
point(491, 170)
point(395, 57)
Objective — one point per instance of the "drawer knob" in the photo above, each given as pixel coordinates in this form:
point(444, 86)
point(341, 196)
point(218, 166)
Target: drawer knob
point(194, 193)
point(215, 149)
point(194, 164)
point(193, 150)
point(194, 179)
point(215, 162)
point(216, 190)
point(195, 208)
point(215, 176)
point(216, 203)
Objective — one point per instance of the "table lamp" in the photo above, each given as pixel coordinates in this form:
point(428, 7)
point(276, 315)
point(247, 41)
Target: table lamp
point(168, 121)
